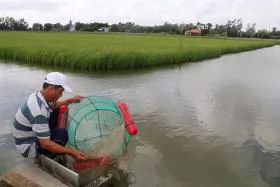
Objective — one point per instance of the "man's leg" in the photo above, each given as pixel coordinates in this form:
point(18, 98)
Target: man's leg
point(53, 119)
point(58, 135)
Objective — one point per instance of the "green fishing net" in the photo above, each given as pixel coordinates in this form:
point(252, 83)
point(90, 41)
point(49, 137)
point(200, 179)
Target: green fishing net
point(96, 127)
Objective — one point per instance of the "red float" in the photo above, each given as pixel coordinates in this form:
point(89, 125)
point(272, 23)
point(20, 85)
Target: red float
point(128, 121)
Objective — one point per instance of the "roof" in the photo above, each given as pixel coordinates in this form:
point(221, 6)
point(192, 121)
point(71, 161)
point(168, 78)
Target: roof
point(195, 30)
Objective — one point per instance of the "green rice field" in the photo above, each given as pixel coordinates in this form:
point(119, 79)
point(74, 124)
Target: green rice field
point(96, 51)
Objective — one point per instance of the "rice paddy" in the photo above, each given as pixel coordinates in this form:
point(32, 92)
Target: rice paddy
point(107, 51)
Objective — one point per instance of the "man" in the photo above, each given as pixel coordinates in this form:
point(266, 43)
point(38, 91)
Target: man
point(31, 128)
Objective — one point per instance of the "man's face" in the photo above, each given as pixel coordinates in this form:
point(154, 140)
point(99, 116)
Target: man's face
point(56, 93)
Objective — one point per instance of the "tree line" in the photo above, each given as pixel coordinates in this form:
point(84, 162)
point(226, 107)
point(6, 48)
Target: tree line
point(233, 28)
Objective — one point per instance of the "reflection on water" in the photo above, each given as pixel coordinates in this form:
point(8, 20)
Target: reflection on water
point(270, 168)
point(214, 123)
point(8, 157)
point(268, 162)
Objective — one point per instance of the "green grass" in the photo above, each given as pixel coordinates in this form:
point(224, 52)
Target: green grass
point(87, 51)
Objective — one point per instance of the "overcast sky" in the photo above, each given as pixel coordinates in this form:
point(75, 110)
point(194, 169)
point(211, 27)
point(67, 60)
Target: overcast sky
point(265, 13)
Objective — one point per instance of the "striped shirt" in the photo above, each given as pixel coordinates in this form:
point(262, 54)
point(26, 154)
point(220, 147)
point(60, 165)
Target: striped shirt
point(31, 122)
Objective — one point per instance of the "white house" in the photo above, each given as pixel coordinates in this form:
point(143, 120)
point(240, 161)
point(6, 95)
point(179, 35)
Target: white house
point(104, 29)
point(71, 27)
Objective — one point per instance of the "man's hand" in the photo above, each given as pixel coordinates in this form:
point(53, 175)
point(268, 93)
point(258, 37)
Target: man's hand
point(56, 148)
point(78, 156)
point(75, 99)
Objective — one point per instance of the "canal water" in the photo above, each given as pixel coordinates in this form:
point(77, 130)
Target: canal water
point(215, 123)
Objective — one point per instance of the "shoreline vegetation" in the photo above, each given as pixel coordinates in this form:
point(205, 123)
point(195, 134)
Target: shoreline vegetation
point(104, 52)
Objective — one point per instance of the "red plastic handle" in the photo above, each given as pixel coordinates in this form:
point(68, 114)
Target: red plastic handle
point(92, 163)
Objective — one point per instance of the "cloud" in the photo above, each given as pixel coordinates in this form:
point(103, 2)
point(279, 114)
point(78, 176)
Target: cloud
point(42, 6)
point(145, 12)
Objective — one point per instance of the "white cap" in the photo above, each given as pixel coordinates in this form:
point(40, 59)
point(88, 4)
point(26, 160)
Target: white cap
point(56, 78)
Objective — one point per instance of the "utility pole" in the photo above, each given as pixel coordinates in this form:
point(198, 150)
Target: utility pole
point(181, 29)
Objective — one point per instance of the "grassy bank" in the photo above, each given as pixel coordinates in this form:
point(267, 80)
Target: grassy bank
point(114, 51)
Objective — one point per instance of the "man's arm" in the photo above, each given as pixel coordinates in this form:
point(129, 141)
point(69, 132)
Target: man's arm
point(41, 128)
point(75, 99)
point(56, 148)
